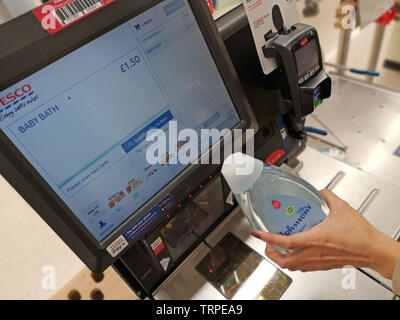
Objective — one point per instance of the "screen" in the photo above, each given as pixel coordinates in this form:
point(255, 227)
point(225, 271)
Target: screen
point(82, 121)
point(307, 57)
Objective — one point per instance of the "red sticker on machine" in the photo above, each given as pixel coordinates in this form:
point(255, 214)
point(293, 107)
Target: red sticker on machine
point(56, 15)
point(158, 246)
point(275, 156)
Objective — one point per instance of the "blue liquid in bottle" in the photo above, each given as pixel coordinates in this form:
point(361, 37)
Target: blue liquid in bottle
point(272, 199)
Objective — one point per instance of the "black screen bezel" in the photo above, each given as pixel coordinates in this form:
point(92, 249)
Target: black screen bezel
point(31, 52)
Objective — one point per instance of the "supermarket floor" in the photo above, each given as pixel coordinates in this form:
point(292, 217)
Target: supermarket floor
point(29, 246)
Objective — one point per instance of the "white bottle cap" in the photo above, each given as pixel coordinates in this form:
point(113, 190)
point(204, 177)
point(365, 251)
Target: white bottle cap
point(241, 171)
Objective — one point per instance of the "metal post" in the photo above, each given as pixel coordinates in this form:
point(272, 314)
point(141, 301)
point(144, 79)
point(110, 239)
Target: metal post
point(376, 48)
point(343, 50)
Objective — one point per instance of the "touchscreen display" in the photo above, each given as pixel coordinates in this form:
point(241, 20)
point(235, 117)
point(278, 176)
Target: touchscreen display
point(82, 121)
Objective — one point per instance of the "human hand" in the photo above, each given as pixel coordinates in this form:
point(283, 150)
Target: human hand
point(345, 237)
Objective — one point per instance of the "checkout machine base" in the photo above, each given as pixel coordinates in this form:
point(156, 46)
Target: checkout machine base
point(237, 271)
point(364, 119)
point(231, 264)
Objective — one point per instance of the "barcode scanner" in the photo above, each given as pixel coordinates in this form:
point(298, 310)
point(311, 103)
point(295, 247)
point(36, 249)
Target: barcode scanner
point(298, 53)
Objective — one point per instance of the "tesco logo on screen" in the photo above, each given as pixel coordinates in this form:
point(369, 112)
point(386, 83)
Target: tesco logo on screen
point(16, 94)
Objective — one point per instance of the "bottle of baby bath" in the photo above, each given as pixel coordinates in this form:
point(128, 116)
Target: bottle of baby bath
point(272, 199)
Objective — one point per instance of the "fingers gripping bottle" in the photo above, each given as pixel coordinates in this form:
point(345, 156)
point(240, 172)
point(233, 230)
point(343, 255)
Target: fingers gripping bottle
point(272, 199)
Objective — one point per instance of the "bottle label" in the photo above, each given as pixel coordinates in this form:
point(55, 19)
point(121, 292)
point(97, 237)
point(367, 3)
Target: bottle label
point(288, 215)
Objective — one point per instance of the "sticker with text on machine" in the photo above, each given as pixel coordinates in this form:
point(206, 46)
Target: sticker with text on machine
point(56, 15)
point(259, 14)
point(158, 246)
point(117, 246)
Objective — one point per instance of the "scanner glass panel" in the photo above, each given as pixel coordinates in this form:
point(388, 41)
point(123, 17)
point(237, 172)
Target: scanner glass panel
point(240, 273)
point(82, 121)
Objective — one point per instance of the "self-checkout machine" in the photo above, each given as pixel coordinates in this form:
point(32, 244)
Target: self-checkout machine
point(77, 106)
point(322, 171)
